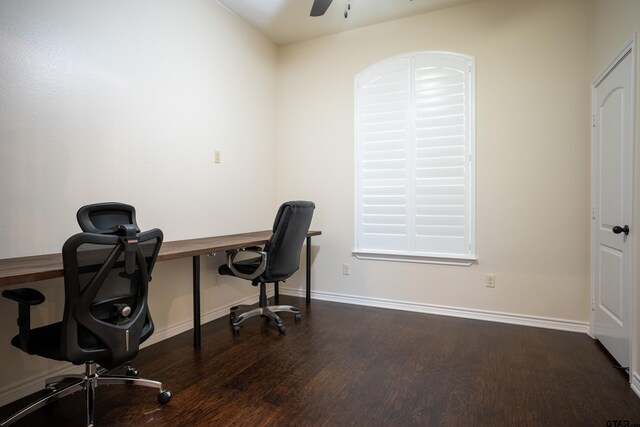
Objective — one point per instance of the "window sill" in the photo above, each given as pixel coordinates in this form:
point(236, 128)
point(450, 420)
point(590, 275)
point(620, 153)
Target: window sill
point(422, 259)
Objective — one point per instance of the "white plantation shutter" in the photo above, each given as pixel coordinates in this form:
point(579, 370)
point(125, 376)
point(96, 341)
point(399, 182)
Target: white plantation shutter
point(414, 157)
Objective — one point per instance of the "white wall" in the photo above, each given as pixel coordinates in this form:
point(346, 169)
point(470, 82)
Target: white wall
point(127, 101)
point(533, 106)
point(616, 21)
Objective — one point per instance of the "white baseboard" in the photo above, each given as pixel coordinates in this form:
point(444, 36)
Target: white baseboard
point(35, 383)
point(178, 328)
point(467, 313)
point(635, 383)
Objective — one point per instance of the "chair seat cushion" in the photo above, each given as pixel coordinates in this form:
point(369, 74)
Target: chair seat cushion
point(246, 266)
point(43, 341)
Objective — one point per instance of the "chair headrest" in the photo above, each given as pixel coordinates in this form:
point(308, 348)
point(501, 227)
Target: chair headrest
point(107, 218)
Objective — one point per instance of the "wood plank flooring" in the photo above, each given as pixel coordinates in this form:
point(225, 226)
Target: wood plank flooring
point(346, 365)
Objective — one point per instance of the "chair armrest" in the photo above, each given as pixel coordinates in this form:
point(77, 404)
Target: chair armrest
point(25, 297)
point(231, 255)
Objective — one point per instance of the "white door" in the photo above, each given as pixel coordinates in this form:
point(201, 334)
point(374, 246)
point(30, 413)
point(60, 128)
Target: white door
point(613, 139)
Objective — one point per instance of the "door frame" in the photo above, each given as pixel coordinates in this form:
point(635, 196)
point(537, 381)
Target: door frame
point(629, 48)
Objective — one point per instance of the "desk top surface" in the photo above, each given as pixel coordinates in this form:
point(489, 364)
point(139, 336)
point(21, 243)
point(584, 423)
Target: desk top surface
point(14, 271)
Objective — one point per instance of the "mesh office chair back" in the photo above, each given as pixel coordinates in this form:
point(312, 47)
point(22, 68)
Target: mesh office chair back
point(117, 219)
point(106, 312)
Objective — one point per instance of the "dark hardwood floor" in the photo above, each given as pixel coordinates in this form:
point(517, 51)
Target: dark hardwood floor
point(359, 366)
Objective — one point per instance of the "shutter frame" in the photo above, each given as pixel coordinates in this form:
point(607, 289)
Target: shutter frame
point(429, 223)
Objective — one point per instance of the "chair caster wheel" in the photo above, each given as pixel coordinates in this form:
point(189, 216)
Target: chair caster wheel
point(296, 317)
point(164, 397)
point(232, 317)
point(282, 329)
point(235, 329)
point(132, 372)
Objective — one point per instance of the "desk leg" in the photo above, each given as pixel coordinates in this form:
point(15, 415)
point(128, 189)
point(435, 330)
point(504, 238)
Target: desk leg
point(308, 270)
point(196, 301)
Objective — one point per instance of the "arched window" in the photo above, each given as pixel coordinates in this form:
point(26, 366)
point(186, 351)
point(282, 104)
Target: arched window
point(415, 159)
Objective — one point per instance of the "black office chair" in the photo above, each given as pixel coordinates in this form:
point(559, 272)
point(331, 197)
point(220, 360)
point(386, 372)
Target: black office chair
point(105, 317)
point(279, 259)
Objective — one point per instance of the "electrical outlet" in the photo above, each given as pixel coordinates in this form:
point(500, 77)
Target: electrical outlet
point(490, 281)
point(346, 269)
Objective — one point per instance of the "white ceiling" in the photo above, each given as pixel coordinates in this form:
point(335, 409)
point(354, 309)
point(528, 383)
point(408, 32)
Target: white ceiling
point(288, 21)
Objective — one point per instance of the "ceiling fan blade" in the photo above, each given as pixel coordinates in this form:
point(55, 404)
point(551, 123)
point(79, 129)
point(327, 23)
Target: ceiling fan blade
point(320, 7)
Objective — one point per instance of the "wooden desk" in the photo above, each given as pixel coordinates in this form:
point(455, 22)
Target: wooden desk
point(14, 271)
